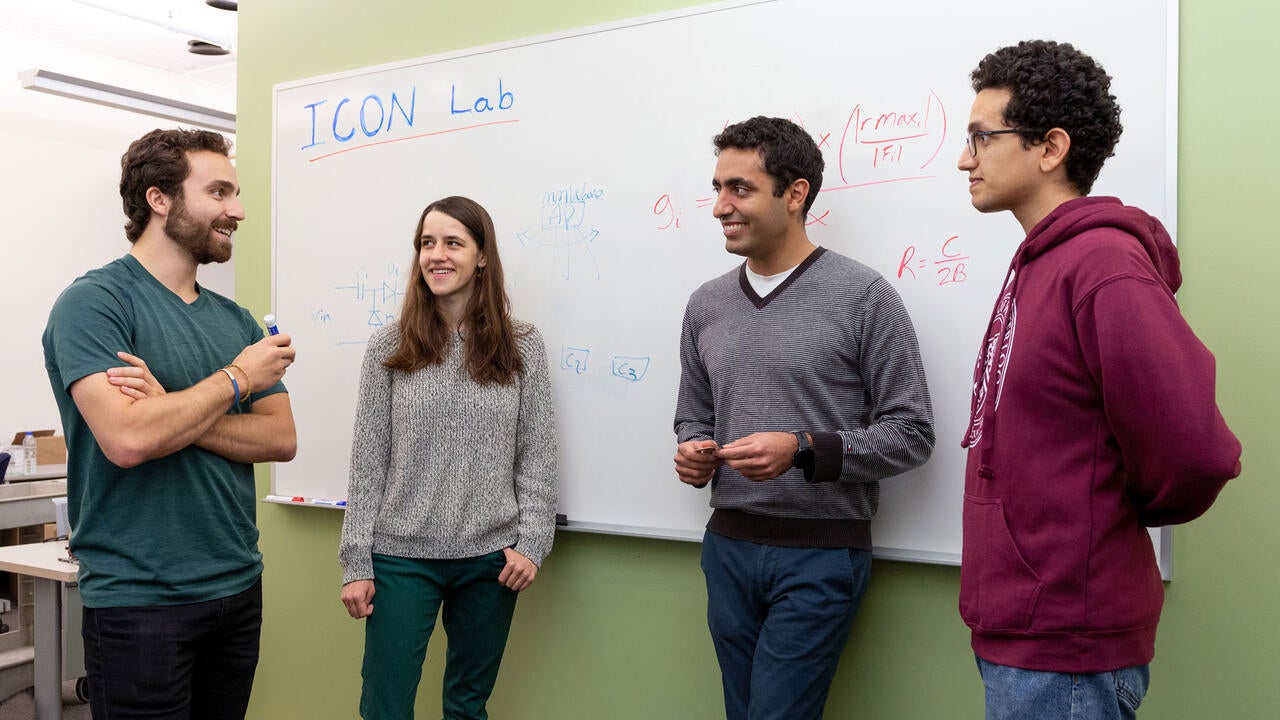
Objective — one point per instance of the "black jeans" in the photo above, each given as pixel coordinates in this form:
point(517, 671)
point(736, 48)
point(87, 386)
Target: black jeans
point(179, 662)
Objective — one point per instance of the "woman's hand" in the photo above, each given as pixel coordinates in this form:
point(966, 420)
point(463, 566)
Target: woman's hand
point(519, 571)
point(357, 595)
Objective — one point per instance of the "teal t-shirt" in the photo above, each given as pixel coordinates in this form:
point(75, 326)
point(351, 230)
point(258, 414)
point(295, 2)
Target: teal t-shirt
point(177, 529)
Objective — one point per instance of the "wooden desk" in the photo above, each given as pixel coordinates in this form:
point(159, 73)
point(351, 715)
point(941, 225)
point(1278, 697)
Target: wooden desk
point(42, 562)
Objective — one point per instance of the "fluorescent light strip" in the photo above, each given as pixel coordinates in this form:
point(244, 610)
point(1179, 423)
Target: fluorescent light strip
point(116, 97)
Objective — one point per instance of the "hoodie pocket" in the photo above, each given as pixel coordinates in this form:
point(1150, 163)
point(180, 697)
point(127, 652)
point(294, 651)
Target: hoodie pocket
point(999, 590)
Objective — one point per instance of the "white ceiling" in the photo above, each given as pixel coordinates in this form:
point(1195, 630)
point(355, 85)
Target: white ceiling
point(146, 36)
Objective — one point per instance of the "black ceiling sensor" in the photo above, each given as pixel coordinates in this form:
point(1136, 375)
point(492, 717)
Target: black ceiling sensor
point(200, 47)
point(231, 5)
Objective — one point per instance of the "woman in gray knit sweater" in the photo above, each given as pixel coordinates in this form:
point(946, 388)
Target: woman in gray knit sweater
point(453, 472)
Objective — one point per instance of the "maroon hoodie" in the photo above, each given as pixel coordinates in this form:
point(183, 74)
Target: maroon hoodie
point(1093, 417)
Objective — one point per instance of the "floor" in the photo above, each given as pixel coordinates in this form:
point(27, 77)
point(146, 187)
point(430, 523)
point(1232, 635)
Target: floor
point(22, 707)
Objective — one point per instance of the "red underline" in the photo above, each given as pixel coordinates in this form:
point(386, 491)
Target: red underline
point(412, 137)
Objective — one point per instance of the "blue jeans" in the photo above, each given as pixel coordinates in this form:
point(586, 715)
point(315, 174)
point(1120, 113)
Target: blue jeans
point(173, 662)
point(779, 618)
point(1013, 693)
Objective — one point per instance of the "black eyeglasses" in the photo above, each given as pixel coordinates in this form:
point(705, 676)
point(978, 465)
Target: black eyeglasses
point(971, 140)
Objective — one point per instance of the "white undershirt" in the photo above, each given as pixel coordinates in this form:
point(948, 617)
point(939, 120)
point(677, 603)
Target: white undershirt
point(765, 284)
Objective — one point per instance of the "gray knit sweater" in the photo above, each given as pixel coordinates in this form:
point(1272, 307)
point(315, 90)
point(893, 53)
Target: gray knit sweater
point(444, 468)
point(832, 352)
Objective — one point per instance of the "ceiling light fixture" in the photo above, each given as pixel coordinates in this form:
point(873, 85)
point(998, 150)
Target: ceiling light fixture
point(200, 47)
point(131, 100)
point(209, 26)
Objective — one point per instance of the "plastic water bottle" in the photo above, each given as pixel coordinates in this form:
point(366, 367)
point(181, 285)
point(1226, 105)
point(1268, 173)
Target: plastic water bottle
point(29, 454)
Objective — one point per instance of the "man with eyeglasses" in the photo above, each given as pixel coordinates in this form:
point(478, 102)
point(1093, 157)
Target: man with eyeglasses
point(1093, 413)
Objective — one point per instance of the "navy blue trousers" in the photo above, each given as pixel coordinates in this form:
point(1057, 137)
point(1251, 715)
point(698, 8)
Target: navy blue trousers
point(779, 618)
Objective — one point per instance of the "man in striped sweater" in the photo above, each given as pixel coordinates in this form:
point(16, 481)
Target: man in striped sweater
point(801, 388)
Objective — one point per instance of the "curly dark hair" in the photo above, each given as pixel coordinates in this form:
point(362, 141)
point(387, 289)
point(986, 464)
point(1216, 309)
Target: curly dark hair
point(789, 152)
point(159, 159)
point(1054, 85)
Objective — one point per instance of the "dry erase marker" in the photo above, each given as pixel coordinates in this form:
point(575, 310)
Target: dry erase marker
point(270, 322)
point(326, 501)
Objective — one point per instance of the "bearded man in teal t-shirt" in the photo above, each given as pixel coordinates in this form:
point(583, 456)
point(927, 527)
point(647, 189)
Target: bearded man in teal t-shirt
point(168, 394)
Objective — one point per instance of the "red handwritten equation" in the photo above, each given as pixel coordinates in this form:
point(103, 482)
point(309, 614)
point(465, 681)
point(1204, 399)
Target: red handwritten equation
point(948, 267)
point(669, 218)
point(896, 137)
point(881, 143)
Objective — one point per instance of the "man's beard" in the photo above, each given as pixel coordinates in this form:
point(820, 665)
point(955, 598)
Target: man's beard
point(195, 237)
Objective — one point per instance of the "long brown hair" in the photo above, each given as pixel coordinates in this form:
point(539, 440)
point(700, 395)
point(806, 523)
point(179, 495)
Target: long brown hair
point(491, 353)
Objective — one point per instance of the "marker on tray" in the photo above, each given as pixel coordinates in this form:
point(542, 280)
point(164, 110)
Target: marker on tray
point(270, 322)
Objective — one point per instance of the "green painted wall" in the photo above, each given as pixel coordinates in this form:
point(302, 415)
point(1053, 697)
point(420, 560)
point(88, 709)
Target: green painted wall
point(614, 627)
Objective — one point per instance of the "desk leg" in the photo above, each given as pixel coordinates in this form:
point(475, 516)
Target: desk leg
point(48, 666)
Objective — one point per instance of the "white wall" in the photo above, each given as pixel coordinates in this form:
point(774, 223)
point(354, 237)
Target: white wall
point(60, 201)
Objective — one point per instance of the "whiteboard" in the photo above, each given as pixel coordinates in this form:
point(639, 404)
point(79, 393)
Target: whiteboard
point(592, 150)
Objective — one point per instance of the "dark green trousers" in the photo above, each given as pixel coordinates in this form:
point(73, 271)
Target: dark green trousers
point(476, 617)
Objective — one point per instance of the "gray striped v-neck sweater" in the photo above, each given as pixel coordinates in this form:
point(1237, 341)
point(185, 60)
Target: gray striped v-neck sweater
point(830, 351)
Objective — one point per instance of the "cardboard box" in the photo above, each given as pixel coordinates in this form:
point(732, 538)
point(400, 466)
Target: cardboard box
point(50, 449)
point(17, 437)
